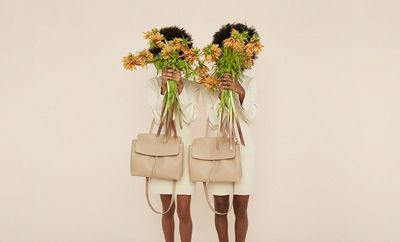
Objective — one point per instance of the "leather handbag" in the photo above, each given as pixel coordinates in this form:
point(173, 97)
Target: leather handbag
point(156, 156)
point(209, 163)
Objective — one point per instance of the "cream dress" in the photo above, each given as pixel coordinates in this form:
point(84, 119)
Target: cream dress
point(246, 114)
point(188, 102)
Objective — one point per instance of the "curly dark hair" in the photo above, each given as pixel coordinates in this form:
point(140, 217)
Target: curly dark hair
point(225, 32)
point(173, 32)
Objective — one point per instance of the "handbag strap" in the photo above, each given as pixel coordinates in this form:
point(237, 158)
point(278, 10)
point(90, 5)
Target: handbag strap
point(207, 195)
point(148, 179)
point(205, 184)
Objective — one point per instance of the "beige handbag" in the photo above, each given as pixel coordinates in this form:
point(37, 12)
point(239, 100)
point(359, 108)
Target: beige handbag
point(155, 156)
point(207, 163)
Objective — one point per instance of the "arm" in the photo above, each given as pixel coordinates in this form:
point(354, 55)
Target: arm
point(249, 102)
point(188, 99)
point(246, 95)
point(211, 103)
point(154, 98)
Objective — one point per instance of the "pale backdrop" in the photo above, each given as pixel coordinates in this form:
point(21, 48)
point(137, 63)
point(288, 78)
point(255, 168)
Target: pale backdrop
point(327, 127)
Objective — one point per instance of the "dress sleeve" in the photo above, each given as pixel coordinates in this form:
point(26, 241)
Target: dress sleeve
point(249, 105)
point(211, 103)
point(188, 100)
point(154, 98)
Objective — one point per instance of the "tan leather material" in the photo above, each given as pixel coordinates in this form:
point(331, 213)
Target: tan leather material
point(206, 149)
point(217, 166)
point(207, 195)
point(153, 156)
point(150, 144)
point(149, 201)
point(157, 159)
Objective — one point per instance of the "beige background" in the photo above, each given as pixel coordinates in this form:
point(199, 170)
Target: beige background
point(327, 128)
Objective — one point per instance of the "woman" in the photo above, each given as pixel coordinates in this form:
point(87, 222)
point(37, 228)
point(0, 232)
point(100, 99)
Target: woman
point(188, 95)
point(245, 104)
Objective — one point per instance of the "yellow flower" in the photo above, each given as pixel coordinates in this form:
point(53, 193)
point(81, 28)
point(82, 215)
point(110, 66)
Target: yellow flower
point(129, 62)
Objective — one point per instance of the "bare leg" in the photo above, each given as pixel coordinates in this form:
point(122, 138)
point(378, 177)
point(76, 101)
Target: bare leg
point(240, 203)
point(168, 223)
point(185, 219)
point(221, 204)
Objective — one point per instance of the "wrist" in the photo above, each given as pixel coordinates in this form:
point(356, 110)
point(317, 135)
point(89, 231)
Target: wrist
point(180, 88)
point(242, 94)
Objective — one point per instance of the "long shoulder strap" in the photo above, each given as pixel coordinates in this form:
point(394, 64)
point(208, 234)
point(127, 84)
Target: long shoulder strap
point(151, 205)
point(207, 195)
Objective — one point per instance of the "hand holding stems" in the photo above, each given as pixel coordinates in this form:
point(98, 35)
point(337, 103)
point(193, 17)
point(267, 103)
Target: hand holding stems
point(171, 87)
point(227, 85)
point(227, 82)
point(171, 75)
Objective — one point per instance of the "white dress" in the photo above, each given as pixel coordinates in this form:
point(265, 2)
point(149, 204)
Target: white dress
point(188, 102)
point(246, 114)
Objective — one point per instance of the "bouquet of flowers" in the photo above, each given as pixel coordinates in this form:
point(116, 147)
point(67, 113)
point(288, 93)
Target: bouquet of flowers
point(233, 58)
point(176, 54)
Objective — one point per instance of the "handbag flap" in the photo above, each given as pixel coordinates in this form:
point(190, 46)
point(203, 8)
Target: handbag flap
point(150, 144)
point(206, 149)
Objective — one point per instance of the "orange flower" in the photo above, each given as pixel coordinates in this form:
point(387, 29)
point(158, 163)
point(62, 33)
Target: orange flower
point(236, 34)
point(177, 43)
point(257, 47)
point(155, 37)
point(146, 55)
point(189, 55)
point(140, 61)
point(147, 34)
point(129, 62)
point(249, 49)
point(209, 81)
point(202, 70)
point(212, 52)
point(248, 63)
point(160, 44)
point(234, 44)
point(167, 51)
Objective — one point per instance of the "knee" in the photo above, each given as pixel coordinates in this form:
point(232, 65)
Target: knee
point(184, 214)
point(221, 204)
point(170, 213)
point(240, 211)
